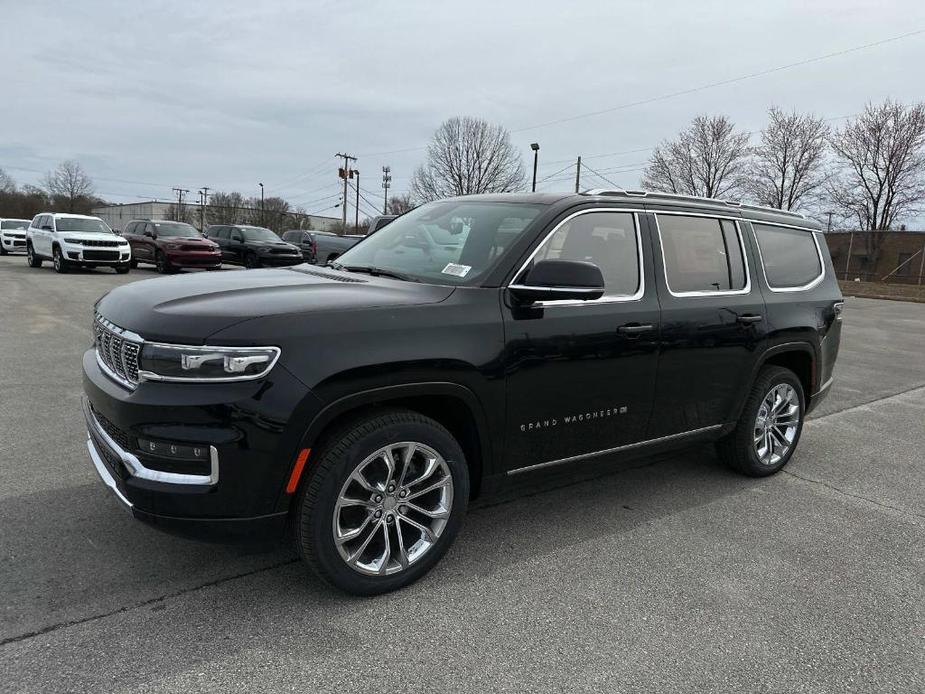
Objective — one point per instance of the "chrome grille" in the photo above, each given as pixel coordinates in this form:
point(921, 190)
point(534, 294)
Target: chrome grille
point(99, 244)
point(117, 350)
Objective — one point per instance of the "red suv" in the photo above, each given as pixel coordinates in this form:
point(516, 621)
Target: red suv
point(171, 246)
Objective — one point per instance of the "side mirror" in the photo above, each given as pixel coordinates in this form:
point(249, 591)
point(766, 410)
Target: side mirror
point(47, 227)
point(556, 280)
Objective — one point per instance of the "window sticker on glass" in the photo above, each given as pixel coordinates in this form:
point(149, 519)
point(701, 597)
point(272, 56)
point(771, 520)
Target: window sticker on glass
point(456, 270)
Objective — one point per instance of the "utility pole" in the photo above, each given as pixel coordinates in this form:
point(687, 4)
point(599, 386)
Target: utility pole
point(828, 227)
point(263, 217)
point(344, 172)
point(536, 155)
point(356, 209)
point(180, 192)
point(386, 180)
point(578, 174)
point(204, 198)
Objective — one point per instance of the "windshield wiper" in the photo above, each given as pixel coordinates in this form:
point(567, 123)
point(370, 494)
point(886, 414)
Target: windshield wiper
point(375, 271)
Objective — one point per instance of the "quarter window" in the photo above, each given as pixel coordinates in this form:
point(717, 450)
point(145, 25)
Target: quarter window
point(702, 254)
point(789, 256)
point(607, 239)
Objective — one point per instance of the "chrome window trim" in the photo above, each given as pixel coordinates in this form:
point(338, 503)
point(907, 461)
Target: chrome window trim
point(782, 290)
point(616, 449)
point(137, 468)
point(704, 293)
point(151, 376)
point(613, 299)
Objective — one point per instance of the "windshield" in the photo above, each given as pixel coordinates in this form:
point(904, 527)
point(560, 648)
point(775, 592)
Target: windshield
point(446, 242)
point(14, 224)
point(176, 229)
point(81, 224)
point(258, 234)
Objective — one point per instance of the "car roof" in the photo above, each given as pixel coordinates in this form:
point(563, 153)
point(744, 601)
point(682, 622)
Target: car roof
point(70, 215)
point(13, 219)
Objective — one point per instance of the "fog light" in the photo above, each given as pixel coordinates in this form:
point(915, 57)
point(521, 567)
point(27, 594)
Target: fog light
point(73, 255)
point(174, 451)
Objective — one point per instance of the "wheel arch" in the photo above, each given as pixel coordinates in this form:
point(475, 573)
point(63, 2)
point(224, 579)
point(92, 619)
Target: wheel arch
point(453, 405)
point(799, 357)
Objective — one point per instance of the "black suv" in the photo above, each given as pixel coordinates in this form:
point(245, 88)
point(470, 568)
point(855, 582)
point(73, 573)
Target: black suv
point(250, 246)
point(470, 342)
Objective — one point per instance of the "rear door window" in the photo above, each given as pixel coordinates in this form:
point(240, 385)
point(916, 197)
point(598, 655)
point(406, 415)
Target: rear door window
point(701, 254)
point(789, 256)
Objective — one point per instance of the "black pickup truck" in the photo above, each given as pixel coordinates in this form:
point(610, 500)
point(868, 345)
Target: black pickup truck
point(468, 343)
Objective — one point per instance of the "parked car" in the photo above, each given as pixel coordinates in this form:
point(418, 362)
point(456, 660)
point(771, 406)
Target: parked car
point(252, 246)
point(170, 246)
point(13, 235)
point(376, 223)
point(75, 240)
point(320, 247)
point(365, 404)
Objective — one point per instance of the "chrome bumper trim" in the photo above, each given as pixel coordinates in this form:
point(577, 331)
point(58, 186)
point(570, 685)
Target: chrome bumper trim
point(137, 469)
point(825, 385)
point(104, 473)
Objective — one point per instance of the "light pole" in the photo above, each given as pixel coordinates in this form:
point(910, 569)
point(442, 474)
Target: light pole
point(262, 215)
point(536, 155)
point(356, 218)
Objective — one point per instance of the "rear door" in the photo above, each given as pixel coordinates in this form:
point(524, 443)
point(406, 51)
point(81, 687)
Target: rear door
point(581, 374)
point(713, 322)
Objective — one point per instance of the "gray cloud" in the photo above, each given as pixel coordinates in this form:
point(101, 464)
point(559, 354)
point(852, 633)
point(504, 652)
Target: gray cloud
point(226, 94)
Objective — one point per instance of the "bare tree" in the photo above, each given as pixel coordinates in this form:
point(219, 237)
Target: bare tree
point(881, 169)
point(7, 184)
point(225, 208)
point(184, 214)
point(69, 186)
point(788, 165)
point(400, 204)
point(709, 159)
point(467, 156)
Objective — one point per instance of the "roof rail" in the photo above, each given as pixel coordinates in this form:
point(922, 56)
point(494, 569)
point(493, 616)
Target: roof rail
point(692, 198)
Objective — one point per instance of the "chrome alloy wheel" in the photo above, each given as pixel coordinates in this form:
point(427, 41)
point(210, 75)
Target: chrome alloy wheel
point(776, 424)
point(393, 508)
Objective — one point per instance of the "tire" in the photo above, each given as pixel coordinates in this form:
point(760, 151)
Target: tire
point(251, 261)
point(61, 265)
point(31, 258)
point(123, 269)
point(3, 251)
point(133, 264)
point(162, 264)
point(746, 449)
point(347, 451)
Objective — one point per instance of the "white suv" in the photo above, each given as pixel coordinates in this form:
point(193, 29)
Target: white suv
point(69, 240)
point(13, 235)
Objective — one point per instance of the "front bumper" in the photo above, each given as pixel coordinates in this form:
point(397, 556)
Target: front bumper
point(281, 260)
point(251, 450)
point(13, 244)
point(90, 255)
point(190, 259)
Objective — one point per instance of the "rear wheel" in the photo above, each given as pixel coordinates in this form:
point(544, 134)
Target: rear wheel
point(61, 265)
point(383, 503)
point(251, 261)
point(769, 428)
point(31, 258)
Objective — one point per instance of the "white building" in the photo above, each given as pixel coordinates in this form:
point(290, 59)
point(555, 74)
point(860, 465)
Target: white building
point(117, 216)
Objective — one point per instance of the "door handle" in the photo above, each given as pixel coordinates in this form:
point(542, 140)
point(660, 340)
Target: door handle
point(635, 328)
point(750, 318)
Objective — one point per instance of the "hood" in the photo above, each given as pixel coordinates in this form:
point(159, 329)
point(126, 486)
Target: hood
point(90, 236)
point(274, 244)
point(189, 308)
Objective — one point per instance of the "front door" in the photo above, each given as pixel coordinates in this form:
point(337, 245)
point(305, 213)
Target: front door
point(713, 322)
point(581, 374)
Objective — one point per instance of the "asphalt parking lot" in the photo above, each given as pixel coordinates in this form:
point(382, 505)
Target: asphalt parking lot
point(668, 576)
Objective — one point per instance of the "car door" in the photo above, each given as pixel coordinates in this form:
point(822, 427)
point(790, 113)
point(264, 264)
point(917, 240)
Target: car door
point(148, 244)
point(234, 246)
point(131, 234)
point(219, 234)
point(44, 235)
point(580, 375)
point(713, 324)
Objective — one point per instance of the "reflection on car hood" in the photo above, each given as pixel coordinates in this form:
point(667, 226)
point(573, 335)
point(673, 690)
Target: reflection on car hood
point(90, 236)
point(189, 308)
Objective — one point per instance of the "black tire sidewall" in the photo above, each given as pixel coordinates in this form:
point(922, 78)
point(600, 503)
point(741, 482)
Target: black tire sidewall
point(161, 263)
point(251, 261)
point(317, 518)
point(771, 379)
point(57, 259)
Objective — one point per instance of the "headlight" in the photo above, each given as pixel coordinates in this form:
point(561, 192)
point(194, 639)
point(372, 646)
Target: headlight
point(172, 246)
point(263, 250)
point(77, 241)
point(160, 362)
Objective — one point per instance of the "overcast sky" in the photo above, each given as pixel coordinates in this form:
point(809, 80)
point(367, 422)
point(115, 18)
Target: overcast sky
point(228, 94)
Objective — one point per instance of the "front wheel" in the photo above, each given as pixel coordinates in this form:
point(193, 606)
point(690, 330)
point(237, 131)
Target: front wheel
point(31, 258)
point(3, 251)
point(61, 265)
point(123, 269)
point(162, 264)
point(769, 428)
point(251, 261)
point(384, 501)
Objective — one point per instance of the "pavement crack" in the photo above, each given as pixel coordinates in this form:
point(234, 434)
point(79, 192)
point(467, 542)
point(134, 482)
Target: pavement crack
point(144, 603)
point(851, 495)
point(919, 386)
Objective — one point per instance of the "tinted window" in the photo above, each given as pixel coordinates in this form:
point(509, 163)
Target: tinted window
point(14, 224)
point(257, 234)
point(179, 229)
point(789, 256)
point(82, 224)
point(217, 232)
point(607, 239)
point(701, 254)
point(290, 236)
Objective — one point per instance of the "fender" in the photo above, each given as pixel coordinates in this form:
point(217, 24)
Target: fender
point(781, 348)
point(385, 394)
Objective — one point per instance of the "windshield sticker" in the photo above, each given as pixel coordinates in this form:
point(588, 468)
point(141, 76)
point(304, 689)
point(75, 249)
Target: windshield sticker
point(456, 270)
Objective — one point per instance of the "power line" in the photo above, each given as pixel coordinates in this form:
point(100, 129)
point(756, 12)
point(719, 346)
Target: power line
point(711, 85)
